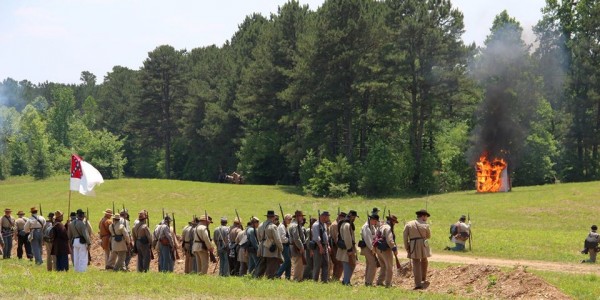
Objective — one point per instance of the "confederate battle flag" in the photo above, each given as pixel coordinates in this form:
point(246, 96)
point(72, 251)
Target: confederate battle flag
point(84, 177)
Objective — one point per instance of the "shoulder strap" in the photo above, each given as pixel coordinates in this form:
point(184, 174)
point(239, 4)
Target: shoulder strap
point(9, 221)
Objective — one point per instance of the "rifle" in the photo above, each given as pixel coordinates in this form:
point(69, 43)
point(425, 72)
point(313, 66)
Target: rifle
point(470, 231)
point(240, 220)
point(282, 218)
point(163, 213)
point(114, 212)
point(211, 255)
point(175, 238)
point(384, 208)
point(398, 266)
point(148, 224)
point(41, 213)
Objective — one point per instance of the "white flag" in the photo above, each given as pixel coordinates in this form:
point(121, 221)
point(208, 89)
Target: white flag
point(84, 177)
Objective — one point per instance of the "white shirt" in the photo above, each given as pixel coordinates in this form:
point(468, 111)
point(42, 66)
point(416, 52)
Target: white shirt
point(283, 233)
point(367, 233)
point(32, 223)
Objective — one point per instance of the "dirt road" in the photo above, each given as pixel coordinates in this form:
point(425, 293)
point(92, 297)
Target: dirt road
point(574, 267)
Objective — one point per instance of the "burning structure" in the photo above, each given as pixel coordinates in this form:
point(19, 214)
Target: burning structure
point(492, 175)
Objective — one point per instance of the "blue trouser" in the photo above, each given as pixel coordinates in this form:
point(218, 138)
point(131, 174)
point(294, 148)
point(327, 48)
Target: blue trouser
point(223, 263)
point(166, 262)
point(36, 246)
point(347, 272)
point(458, 247)
point(62, 262)
point(7, 245)
point(320, 266)
point(286, 266)
point(252, 262)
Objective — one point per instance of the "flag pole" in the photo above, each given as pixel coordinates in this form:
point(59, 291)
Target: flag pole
point(69, 210)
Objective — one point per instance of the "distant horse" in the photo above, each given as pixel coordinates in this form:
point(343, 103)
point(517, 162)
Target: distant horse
point(235, 178)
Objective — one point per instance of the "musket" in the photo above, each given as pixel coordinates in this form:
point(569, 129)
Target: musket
point(123, 206)
point(41, 213)
point(114, 212)
point(175, 238)
point(398, 266)
point(282, 218)
point(384, 208)
point(87, 214)
point(148, 224)
point(163, 213)
point(470, 231)
point(240, 220)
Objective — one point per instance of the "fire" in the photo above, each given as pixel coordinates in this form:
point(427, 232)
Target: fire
point(491, 175)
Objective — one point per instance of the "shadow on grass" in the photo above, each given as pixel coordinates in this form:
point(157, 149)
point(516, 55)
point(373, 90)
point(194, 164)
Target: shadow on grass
point(297, 190)
point(292, 189)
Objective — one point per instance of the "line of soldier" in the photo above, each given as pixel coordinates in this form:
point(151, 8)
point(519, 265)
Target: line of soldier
point(270, 248)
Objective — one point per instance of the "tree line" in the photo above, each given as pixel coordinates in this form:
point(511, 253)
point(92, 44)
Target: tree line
point(358, 96)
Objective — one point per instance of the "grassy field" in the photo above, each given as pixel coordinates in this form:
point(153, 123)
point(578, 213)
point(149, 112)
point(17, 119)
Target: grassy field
point(538, 223)
point(545, 223)
point(19, 280)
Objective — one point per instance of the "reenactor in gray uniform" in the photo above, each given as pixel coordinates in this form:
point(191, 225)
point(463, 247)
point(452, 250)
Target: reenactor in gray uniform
point(234, 230)
point(251, 234)
point(8, 231)
point(346, 252)
point(297, 242)
point(271, 248)
point(387, 251)
point(79, 233)
point(221, 238)
point(143, 241)
point(50, 259)
point(202, 244)
point(187, 239)
point(308, 251)
point(34, 227)
point(320, 247)
point(416, 242)
point(367, 234)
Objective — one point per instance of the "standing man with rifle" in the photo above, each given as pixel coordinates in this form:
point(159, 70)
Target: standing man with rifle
point(166, 243)
point(309, 248)
point(297, 241)
point(187, 239)
point(346, 252)
point(142, 241)
point(321, 249)
point(284, 235)
point(387, 250)
point(252, 244)
point(367, 234)
point(333, 243)
point(203, 248)
point(105, 236)
point(119, 244)
point(221, 238)
point(271, 247)
point(34, 227)
point(234, 230)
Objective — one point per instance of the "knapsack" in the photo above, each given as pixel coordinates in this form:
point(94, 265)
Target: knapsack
point(48, 234)
point(590, 242)
point(453, 230)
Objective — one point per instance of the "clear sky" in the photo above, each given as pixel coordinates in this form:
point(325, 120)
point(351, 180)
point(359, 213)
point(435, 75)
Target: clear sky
point(55, 40)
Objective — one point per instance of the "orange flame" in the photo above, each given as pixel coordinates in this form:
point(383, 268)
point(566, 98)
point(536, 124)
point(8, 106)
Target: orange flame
point(489, 174)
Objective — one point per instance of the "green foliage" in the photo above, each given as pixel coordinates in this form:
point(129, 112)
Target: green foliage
point(331, 178)
point(61, 114)
point(39, 161)
point(381, 171)
point(308, 165)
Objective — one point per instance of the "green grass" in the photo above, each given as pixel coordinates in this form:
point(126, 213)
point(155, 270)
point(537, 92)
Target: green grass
point(578, 286)
point(20, 279)
point(538, 223)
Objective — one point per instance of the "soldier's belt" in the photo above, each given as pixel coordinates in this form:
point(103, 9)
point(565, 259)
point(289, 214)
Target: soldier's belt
point(414, 239)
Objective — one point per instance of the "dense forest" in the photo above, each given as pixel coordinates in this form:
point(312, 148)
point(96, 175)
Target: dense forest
point(358, 96)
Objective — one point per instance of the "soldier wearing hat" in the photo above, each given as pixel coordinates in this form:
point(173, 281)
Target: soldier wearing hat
point(234, 230)
point(333, 239)
point(142, 241)
point(591, 244)
point(166, 245)
point(297, 240)
point(346, 251)
point(79, 234)
point(34, 227)
point(8, 231)
point(416, 242)
point(367, 234)
point(221, 238)
point(104, 233)
point(202, 244)
point(463, 231)
point(125, 222)
point(187, 239)
point(321, 249)
point(22, 237)
point(50, 259)
point(284, 235)
point(308, 251)
point(120, 242)
point(60, 244)
point(270, 248)
point(387, 252)
point(251, 234)
point(242, 254)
